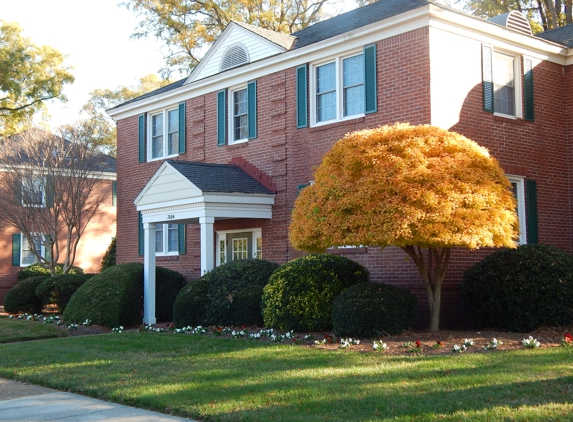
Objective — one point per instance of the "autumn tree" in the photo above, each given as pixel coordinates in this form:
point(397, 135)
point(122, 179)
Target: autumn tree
point(420, 188)
point(50, 190)
point(104, 134)
point(187, 26)
point(29, 76)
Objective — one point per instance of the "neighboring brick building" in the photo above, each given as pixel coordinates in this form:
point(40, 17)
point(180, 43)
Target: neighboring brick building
point(273, 104)
point(93, 243)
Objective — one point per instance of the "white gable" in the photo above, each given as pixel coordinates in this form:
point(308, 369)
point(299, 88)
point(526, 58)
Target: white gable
point(234, 35)
point(167, 185)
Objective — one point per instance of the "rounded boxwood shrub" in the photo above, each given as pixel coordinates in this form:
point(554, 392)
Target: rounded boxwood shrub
point(191, 304)
point(373, 310)
point(300, 293)
point(520, 289)
point(230, 294)
point(115, 296)
point(59, 289)
point(22, 297)
point(36, 269)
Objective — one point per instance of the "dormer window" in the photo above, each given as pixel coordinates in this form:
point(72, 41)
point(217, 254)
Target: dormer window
point(235, 55)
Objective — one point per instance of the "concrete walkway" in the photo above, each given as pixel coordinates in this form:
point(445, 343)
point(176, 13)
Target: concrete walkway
point(21, 402)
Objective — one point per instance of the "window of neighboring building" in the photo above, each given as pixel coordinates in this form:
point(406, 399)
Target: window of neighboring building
point(167, 239)
point(338, 89)
point(517, 186)
point(239, 244)
point(164, 134)
point(27, 256)
point(33, 192)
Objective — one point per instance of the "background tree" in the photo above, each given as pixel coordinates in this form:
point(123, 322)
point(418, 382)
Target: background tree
point(104, 134)
point(420, 188)
point(49, 189)
point(187, 26)
point(29, 75)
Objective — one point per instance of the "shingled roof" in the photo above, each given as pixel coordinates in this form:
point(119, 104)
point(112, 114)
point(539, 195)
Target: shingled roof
point(224, 178)
point(563, 35)
point(153, 93)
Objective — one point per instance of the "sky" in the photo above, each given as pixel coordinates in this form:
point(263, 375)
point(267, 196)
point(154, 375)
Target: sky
point(95, 35)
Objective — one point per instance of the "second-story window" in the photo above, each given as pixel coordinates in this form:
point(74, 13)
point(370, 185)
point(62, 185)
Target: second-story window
point(504, 83)
point(33, 192)
point(240, 124)
point(164, 137)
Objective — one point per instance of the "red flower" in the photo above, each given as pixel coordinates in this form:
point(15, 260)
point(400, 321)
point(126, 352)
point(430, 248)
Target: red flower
point(568, 338)
point(418, 344)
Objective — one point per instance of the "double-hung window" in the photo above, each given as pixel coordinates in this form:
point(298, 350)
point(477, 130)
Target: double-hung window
point(164, 134)
point(239, 120)
point(517, 186)
point(167, 239)
point(34, 192)
point(339, 89)
point(237, 114)
point(504, 84)
point(23, 250)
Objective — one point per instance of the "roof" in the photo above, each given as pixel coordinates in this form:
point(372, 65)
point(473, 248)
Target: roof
point(563, 35)
point(153, 93)
point(283, 40)
point(224, 178)
point(355, 19)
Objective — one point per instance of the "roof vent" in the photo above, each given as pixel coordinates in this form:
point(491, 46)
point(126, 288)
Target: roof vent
point(235, 55)
point(513, 20)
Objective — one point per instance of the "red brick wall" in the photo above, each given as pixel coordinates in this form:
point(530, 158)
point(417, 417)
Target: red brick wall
point(90, 251)
point(289, 155)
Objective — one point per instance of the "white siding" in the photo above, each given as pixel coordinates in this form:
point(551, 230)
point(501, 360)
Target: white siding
point(169, 186)
point(257, 48)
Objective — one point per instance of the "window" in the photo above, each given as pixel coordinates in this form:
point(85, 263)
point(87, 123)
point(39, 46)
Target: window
point(237, 114)
point(167, 239)
point(503, 84)
point(239, 244)
point(339, 89)
point(164, 134)
point(27, 256)
point(33, 192)
point(239, 119)
point(517, 186)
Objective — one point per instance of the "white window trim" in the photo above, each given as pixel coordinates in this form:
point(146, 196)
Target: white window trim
point(42, 249)
point(339, 89)
point(520, 182)
point(166, 242)
point(230, 116)
point(222, 236)
point(43, 186)
point(150, 115)
point(518, 95)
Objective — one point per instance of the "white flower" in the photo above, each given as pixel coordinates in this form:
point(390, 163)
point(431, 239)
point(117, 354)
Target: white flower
point(468, 342)
point(530, 343)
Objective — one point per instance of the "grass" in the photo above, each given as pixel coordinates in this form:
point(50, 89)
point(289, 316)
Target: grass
point(219, 379)
point(15, 330)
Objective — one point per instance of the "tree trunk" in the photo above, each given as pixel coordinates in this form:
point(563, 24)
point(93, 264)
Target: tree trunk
point(433, 270)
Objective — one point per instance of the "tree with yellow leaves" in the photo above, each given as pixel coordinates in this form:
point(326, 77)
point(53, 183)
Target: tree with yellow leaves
point(420, 188)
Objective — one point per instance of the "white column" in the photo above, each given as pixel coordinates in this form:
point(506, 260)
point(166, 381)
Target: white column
point(149, 274)
point(207, 243)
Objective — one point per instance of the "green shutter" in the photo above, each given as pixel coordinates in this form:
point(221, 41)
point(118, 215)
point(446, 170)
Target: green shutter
point(221, 117)
point(252, 108)
point(299, 188)
point(528, 89)
point(182, 128)
point(301, 97)
point(141, 137)
point(487, 77)
point(16, 247)
point(181, 238)
point(370, 98)
point(532, 218)
point(114, 194)
point(49, 191)
point(140, 235)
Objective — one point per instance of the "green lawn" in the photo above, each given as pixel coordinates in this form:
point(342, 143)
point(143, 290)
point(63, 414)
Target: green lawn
point(219, 379)
point(13, 330)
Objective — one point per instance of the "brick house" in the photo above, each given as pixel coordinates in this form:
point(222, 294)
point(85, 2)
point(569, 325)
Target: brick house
point(209, 167)
point(16, 253)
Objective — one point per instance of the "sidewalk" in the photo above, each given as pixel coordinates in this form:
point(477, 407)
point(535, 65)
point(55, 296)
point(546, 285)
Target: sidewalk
point(21, 402)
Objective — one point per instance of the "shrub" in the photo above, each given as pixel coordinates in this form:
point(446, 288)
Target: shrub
point(190, 305)
point(372, 310)
point(520, 289)
point(300, 293)
point(108, 259)
point(36, 269)
point(59, 289)
point(22, 297)
point(115, 296)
